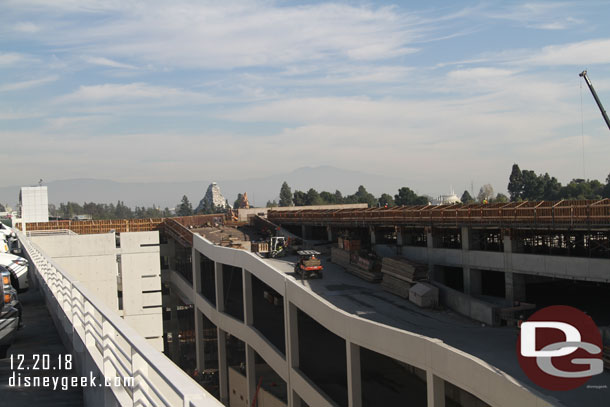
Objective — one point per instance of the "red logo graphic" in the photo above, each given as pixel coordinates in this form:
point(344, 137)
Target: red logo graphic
point(559, 348)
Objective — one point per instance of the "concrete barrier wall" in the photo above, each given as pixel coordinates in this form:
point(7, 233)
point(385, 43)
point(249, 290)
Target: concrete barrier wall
point(437, 358)
point(243, 214)
point(562, 266)
point(466, 305)
point(486, 260)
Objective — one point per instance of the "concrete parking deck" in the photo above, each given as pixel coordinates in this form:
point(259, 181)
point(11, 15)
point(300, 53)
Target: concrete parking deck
point(495, 345)
point(38, 337)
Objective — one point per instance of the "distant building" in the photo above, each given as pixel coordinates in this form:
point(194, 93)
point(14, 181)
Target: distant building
point(34, 204)
point(446, 199)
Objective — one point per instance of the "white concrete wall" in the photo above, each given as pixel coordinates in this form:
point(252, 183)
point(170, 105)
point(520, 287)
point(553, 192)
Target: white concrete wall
point(92, 260)
point(141, 282)
point(34, 203)
point(440, 361)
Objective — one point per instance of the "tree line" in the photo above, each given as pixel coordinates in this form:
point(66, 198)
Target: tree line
point(106, 211)
point(526, 185)
point(405, 196)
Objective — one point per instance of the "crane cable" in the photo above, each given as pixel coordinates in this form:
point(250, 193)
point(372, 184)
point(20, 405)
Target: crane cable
point(582, 133)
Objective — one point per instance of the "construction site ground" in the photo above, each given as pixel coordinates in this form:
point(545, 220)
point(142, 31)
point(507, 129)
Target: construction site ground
point(494, 345)
point(221, 233)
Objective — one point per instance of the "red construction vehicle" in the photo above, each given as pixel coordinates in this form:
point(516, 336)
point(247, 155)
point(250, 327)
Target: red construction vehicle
point(309, 264)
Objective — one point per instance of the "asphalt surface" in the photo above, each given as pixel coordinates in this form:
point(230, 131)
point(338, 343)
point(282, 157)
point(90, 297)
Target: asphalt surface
point(38, 337)
point(495, 345)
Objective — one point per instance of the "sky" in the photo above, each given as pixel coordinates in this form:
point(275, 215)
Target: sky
point(441, 94)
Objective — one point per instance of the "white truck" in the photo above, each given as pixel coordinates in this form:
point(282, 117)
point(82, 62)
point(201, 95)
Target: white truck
point(9, 315)
point(18, 267)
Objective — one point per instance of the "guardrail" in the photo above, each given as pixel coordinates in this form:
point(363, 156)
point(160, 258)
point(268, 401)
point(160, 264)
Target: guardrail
point(559, 213)
point(94, 332)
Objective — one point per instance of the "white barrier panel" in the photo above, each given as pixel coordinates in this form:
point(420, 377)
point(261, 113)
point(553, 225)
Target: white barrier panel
point(95, 334)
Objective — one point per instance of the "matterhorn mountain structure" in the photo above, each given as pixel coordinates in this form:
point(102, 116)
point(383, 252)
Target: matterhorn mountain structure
point(212, 200)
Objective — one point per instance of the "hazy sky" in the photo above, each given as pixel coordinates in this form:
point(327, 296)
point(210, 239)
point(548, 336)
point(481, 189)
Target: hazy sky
point(440, 93)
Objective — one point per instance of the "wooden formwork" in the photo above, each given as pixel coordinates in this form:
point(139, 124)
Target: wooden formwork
point(547, 213)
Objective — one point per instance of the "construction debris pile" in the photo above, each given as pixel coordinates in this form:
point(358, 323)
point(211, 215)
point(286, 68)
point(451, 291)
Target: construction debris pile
point(356, 265)
point(400, 274)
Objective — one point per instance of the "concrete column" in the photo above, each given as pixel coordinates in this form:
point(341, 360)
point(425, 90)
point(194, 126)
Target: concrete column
point(514, 286)
point(292, 335)
point(329, 232)
point(465, 238)
point(196, 262)
point(472, 281)
point(250, 373)
point(373, 237)
point(292, 348)
point(306, 232)
point(354, 384)
point(219, 281)
point(514, 283)
point(223, 371)
point(436, 390)
point(174, 349)
point(247, 292)
point(430, 247)
point(199, 344)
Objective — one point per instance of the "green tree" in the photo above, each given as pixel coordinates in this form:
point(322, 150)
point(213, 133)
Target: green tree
point(533, 186)
point(406, 196)
point(339, 197)
point(363, 196)
point(122, 211)
point(285, 195)
point(327, 198)
point(313, 197)
point(551, 187)
point(299, 198)
point(582, 189)
point(386, 200)
point(500, 198)
point(606, 190)
point(184, 208)
point(239, 201)
point(515, 184)
point(272, 204)
point(466, 198)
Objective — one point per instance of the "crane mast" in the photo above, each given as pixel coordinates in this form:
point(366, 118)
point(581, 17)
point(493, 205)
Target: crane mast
point(599, 103)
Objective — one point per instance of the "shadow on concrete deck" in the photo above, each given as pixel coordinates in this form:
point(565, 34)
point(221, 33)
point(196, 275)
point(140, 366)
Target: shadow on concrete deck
point(39, 337)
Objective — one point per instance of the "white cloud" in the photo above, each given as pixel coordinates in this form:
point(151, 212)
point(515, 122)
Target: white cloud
point(107, 62)
point(137, 91)
point(544, 16)
point(27, 84)
point(237, 34)
point(10, 58)
point(582, 53)
point(26, 27)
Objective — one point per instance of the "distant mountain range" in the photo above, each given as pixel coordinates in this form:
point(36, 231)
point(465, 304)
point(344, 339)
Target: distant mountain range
point(168, 194)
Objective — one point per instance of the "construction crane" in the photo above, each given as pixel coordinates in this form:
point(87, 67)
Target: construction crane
point(599, 103)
